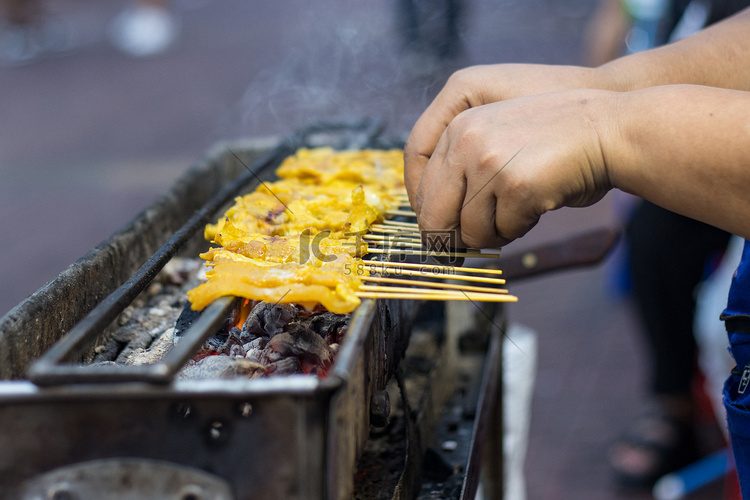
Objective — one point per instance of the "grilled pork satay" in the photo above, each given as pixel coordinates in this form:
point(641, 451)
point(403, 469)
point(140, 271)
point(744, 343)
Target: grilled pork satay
point(366, 167)
point(292, 240)
point(281, 249)
point(272, 211)
point(332, 284)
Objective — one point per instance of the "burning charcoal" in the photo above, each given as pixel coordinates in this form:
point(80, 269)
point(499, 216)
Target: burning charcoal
point(327, 324)
point(301, 341)
point(268, 356)
point(267, 320)
point(221, 367)
point(286, 366)
point(233, 339)
point(337, 336)
point(237, 351)
point(254, 355)
point(259, 344)
point(216, 343)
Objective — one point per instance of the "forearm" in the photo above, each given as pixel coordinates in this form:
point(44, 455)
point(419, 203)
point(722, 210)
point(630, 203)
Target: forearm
point(685, 148)
point(718, 56)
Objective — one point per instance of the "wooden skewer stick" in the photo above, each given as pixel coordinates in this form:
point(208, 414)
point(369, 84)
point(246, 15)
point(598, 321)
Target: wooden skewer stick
point(474, 297)
point(396, 230)
point(394, 238)
point(410, 245)
point(433, 268)
point(396, 242)
point(404, 289)
point(461, 277)
point(424, 291)
point(434, 284)
point(413, 225)
point(407, 213)
point(428, 253)
point(396, 245)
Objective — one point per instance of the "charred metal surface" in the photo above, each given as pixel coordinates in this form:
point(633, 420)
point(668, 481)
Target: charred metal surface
point(443, 428)
point(258, 452)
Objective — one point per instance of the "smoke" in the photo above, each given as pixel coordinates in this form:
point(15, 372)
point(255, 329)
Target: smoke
point(350, 66)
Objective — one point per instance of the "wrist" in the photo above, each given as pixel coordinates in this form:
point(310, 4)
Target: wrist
point(616, 139)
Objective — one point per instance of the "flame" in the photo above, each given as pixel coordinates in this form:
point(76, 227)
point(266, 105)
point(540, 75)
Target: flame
point(245, 308)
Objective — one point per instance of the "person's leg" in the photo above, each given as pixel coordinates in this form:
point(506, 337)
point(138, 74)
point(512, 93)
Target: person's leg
point(668, 258)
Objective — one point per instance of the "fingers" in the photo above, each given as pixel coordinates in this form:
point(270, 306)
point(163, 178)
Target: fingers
point(466, 202)
point(431, 172)
point(498, 167)
point(424, 137)
point(442, 192)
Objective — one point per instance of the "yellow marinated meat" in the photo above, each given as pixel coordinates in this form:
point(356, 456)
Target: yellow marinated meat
point(340, 211)
point(280, 249)
point(341, 262)
point(332, 285)
point(297, 240)
point(337, 301)
point(384, 168)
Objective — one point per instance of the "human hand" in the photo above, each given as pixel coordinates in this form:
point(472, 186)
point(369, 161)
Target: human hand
point(498, 167)
point(480, 85)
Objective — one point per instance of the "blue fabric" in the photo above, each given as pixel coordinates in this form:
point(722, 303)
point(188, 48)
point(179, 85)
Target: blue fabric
point(737, 387)
point(739, 294)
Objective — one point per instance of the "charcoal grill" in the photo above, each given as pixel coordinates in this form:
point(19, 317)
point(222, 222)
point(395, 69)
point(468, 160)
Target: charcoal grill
point(73, 430)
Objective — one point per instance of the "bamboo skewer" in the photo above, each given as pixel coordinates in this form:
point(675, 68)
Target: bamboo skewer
point(428, 253)
point(395, 237)
point(406, 213)
point(424, 291)
point(407, 245)
point(462, 277)
point(395, 230)
point(434, 284)
point(397, 244)
point(389, 222)
point(474, 297)
point(404, 289)
point(438, 267)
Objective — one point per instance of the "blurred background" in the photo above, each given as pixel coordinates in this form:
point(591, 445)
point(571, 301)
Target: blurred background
point(94, 126)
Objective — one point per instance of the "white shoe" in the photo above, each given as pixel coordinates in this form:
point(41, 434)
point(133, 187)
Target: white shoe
point(143, 31)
